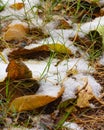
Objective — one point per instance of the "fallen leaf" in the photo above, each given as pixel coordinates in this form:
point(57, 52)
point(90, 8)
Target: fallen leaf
point(40, 52)
point(17, 6)
point(59, 48)
point(18, 70)
point(15, 32)
point(72, 72)
point(37, 33)
point(31, 102)
point(84, 96)
point(63, 24)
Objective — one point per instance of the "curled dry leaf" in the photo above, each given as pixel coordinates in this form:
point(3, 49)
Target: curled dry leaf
point(18, 70)
point(31, 102)
point(17, 6)
point(15, 32)
point(40, 52)
point(84, 96)
point(63, 24)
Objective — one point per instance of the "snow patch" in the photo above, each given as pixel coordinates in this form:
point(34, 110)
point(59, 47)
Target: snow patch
point(47, 88)
point(93, 25)
point(3, 72)
point(102, 59)
point(72, 126)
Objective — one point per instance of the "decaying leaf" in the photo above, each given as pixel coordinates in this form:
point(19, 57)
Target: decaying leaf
point(31, 102)
point(63, 24)
point(18, 70)
point(17, 6)
point(37, 33)
point(40, 52)
point(15, 32)
point(84, 96)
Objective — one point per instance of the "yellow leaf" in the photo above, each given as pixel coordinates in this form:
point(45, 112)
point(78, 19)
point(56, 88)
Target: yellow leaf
point(31, 102)
point(17, 6)
point(84, 96)
point(59, 48)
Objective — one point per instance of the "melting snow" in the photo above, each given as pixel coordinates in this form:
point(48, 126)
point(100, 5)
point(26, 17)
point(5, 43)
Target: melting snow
point(72, 126)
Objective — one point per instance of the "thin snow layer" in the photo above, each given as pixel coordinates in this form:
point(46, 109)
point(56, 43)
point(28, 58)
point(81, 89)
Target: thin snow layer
point(14, 22)
point(72, 126)
point(31, 2)
point(57, 75)
point(101, 2)
point(71, 85)
point(48, 88)
point(3, 72)
point(28, 11)
point(40, 68)
point(102, 60)
point(93, 25)
point(62, 34)
point(53, 72)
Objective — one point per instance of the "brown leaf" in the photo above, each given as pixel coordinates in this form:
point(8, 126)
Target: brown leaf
point(15, 32)
point(84, 96)
point(63, 24)
point(31, 102)
point(18, 70)
point(40, 52)
point(17, 6)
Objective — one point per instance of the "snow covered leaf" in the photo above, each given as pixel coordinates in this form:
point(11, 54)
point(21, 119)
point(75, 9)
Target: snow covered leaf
point(84, 96)
point(15, 32)
point(17, 6)
point(31, 102)
point(40, 52)
point(18, 70)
